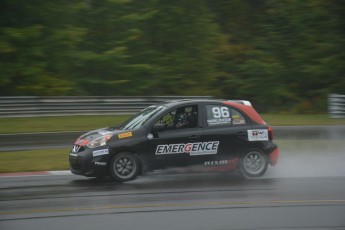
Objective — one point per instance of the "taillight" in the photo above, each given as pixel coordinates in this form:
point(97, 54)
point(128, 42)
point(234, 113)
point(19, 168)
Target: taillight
point(270, 133)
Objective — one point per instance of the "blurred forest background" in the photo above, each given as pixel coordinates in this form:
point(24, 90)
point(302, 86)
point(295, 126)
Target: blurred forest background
point(282, 55)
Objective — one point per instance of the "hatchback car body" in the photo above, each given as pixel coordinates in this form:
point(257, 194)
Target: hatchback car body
point(209, 133)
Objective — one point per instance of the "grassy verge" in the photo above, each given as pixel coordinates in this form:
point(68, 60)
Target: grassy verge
point(54, 124)
point(34, 160)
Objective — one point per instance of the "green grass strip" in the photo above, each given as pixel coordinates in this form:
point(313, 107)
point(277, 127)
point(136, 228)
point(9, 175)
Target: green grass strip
point(34, 160)
point(55, 124)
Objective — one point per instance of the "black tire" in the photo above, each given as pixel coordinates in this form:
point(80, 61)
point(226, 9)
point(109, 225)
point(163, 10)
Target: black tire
point(253, 164)
point(124, 167)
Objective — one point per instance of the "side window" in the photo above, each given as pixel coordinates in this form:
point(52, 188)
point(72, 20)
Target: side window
point(218, 115)
point(237, 118)
point(180, 118)
point(223, 115)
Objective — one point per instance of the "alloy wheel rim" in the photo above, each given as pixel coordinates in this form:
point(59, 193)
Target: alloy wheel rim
point(254, 163)
point(125, 167)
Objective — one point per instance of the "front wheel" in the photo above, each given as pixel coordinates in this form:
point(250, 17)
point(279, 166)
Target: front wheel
point(253, 164)
point(124, 167)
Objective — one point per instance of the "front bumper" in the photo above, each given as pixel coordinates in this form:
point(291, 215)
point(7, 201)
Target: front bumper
point(86, 163)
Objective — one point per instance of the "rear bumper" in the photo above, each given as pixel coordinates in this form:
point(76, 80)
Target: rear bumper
point(273, 156)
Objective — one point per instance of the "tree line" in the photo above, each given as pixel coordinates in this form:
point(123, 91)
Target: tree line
point(283, 55)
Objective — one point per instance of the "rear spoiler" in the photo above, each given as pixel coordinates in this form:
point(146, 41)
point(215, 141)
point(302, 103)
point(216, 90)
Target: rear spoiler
point(242, 102)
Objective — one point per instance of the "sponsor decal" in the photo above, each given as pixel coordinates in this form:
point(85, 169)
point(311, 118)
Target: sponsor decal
point(100, 152)
point(101, 163)
point(237, 120)
point(216, 163)
point(223, 164)
point(124, 135)
point(194, 149)
point(150, 136)
point(73, 154)
point(258, 135)
point(219, 121)
point(218, 116)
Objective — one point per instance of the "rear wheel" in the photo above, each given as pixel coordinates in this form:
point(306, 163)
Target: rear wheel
point(124, 167)
point(253, 164)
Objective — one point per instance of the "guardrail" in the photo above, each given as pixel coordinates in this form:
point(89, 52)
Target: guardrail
point(336, 105)
point(72, 105)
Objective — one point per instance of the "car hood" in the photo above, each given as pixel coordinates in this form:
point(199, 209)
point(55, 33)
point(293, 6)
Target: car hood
point(91, 135)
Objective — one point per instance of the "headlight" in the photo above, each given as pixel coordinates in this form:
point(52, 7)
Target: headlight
point(100, 141)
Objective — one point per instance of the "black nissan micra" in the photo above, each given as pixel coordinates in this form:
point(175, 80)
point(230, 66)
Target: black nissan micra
point(229, 135)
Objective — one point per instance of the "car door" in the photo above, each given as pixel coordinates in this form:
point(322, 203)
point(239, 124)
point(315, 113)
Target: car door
point(171, 147)
point(228, 126)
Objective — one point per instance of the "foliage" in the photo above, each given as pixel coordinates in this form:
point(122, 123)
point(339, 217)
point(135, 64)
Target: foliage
point(281, 55)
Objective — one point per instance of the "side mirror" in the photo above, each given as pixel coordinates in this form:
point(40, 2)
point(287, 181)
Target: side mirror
point(158, 127)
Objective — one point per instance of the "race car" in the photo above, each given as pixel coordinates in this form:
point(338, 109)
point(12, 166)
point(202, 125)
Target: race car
point(228, 134)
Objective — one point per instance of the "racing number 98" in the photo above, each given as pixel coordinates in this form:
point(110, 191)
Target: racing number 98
point(220, 112)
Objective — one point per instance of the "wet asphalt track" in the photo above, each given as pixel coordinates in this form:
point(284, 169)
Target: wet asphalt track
point(306, 190)
point(170, 200)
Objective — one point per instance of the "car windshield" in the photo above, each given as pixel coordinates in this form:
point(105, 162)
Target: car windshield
point(140, 118)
